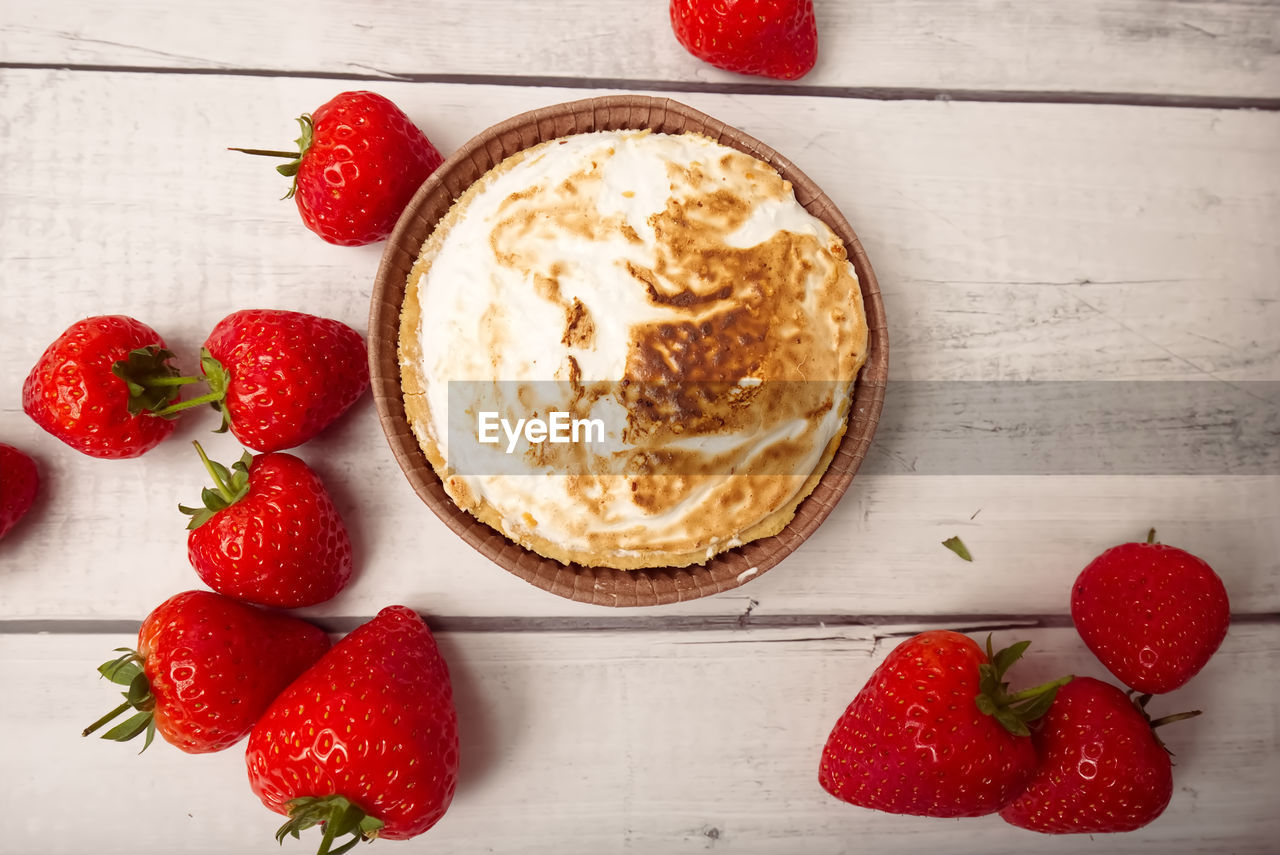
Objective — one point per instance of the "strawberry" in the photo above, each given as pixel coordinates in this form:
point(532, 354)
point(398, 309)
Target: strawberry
point(1153, 614)
point(268, 533)
point(1102, 768)
point(366, 741)
point(935, 732)
point(769, 38)
point(101, 385)
point(205, 668)
point(360, 159)
point(19, 482)
point(280, 377)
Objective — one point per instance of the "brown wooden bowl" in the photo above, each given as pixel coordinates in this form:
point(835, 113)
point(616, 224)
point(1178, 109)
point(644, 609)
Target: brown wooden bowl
point(599, 585)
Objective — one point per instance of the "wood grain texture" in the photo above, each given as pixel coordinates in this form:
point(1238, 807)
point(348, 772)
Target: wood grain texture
point(637, 743)
point(79, 556)
point(1051, 241)
point(1013, 242)
point(1223, 48)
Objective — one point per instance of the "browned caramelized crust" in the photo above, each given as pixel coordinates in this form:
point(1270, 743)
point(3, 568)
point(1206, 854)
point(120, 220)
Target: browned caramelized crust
point(695, 333)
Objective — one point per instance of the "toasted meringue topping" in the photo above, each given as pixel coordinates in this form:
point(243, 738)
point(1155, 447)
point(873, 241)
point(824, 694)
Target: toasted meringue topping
point(669, 287)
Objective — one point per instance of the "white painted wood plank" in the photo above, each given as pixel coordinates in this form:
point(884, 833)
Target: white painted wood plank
point(105, 540)
point(1223, 48)
point(629, 742)
point(1012, 243)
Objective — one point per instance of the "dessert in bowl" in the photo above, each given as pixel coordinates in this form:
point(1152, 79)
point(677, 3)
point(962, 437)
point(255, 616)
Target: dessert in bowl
point(628, 264)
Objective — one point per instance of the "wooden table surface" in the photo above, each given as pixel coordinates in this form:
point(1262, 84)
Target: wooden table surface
point(1050, 192)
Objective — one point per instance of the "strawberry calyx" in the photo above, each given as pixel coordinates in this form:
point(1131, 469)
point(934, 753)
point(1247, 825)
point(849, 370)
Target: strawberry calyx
point(229, 487)
point(217, 378)
point(1014, 710)
point(126, 670)
point(339, 817)
point(152, 380)
point(290, 169)
point(1140, 704)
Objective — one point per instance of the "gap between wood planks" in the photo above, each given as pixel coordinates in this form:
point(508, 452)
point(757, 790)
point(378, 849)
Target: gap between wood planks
point(866, 93)
point(894, 625)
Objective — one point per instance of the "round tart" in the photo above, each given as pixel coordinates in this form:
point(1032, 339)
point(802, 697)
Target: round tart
point(666, 294)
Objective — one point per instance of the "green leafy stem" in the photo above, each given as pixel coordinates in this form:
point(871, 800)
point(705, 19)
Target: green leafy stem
point(1014, 710)
point(126, 670)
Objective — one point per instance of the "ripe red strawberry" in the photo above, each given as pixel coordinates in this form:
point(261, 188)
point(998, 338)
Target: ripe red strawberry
point(769, 38)
point(269, 533)
point(1153, 614)
point(1102, 768)
point(935, 732)
point(205, 668)
point(280, 377)
point(101, 386)
point(360, 159)
point(366, 741)
point(19, 482)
